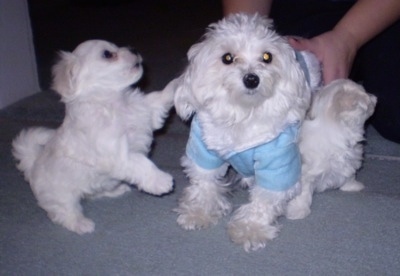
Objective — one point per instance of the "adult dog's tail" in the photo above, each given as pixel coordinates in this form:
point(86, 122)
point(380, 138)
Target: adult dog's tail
point(27, 146)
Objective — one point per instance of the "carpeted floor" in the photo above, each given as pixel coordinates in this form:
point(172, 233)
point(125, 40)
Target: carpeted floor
point(137, 234)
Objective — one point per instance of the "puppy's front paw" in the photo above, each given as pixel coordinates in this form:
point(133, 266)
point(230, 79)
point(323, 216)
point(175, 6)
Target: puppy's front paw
point(352, 186)
point(252, 235)
point(158, 183)
point(80, 225)
point(297, 209)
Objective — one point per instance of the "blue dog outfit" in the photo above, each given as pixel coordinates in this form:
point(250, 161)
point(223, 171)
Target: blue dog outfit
point(275, 164)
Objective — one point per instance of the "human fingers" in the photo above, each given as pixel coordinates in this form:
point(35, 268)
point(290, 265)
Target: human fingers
point(298, 43)
point(333, 59)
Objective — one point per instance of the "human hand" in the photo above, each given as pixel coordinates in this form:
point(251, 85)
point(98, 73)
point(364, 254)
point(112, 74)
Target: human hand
point(333, 49)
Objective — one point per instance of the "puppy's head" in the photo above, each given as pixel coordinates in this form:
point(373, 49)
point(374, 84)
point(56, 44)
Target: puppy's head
point(241, 66)
point(95, 65)
point(345, 102)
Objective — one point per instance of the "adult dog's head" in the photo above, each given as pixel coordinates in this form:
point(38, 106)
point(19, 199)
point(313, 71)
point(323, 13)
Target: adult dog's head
point(243, 67)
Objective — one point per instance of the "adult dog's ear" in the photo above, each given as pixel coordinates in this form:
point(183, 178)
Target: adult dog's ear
point(65, 76)
point(184, 96)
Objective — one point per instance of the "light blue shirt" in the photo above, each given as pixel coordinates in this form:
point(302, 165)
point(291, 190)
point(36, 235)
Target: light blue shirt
point(276, 164)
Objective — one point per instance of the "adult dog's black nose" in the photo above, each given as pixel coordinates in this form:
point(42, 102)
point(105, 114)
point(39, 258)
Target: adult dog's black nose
point(251, 81)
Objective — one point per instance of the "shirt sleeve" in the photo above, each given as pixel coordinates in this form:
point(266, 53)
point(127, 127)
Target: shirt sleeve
point(198, 152)
point(278, 164)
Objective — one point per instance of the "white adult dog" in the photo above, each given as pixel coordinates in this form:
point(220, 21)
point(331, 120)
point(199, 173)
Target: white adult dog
point(249, 96)
point(330, 142)
point(104, 139)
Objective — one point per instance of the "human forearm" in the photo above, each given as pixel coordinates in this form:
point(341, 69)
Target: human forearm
point(247, 6)
point(366, 19)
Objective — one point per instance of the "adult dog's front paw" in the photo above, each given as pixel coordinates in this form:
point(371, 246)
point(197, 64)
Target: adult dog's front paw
point(252, 235)
point(195, 219)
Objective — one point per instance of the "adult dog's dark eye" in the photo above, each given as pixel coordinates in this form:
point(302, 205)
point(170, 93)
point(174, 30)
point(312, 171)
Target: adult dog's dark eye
point(267, 57)
point(108, 54)
point(227, 58)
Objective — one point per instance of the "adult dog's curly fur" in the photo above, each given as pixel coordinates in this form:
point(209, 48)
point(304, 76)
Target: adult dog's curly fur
point(104, 139)
point(246, 89)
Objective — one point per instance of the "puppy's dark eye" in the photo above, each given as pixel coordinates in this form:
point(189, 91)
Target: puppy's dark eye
point(227, 58)
point(267, 57)
point(108, 54)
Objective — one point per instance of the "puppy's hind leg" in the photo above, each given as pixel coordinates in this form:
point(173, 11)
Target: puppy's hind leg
point(68, 213)
point(203, 201)
point(118, 191)
point(299, 207)
point(352, 185)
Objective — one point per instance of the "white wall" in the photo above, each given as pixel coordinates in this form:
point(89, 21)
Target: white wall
point(18, 72)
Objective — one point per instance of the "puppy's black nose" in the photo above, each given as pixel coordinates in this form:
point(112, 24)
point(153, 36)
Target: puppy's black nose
point(251, 81)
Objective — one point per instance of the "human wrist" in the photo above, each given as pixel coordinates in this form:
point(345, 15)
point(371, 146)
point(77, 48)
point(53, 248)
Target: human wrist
point(347, 38)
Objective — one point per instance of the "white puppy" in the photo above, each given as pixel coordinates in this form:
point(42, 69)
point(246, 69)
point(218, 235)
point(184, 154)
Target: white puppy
point(330, 142)
point(104, 139)
point(249, 96)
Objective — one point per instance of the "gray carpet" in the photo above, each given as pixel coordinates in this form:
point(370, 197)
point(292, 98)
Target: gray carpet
point(137, 234)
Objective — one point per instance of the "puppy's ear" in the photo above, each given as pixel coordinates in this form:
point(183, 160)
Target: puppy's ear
point(65, 75)
point(183, 96)
point(371, 104)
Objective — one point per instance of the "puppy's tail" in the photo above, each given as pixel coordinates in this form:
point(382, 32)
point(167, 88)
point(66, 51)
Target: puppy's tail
point(27, 146)
point(161, 102)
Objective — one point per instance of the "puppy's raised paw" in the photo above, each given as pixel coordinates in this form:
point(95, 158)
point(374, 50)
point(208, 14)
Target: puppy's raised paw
point(158, 183)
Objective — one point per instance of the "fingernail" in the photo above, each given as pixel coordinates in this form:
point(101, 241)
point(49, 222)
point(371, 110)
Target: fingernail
point(296, 38)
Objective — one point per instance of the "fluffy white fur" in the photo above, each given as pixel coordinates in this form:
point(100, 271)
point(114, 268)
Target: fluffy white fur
point(104, 139)
point(330, 142)
point(234, 115)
